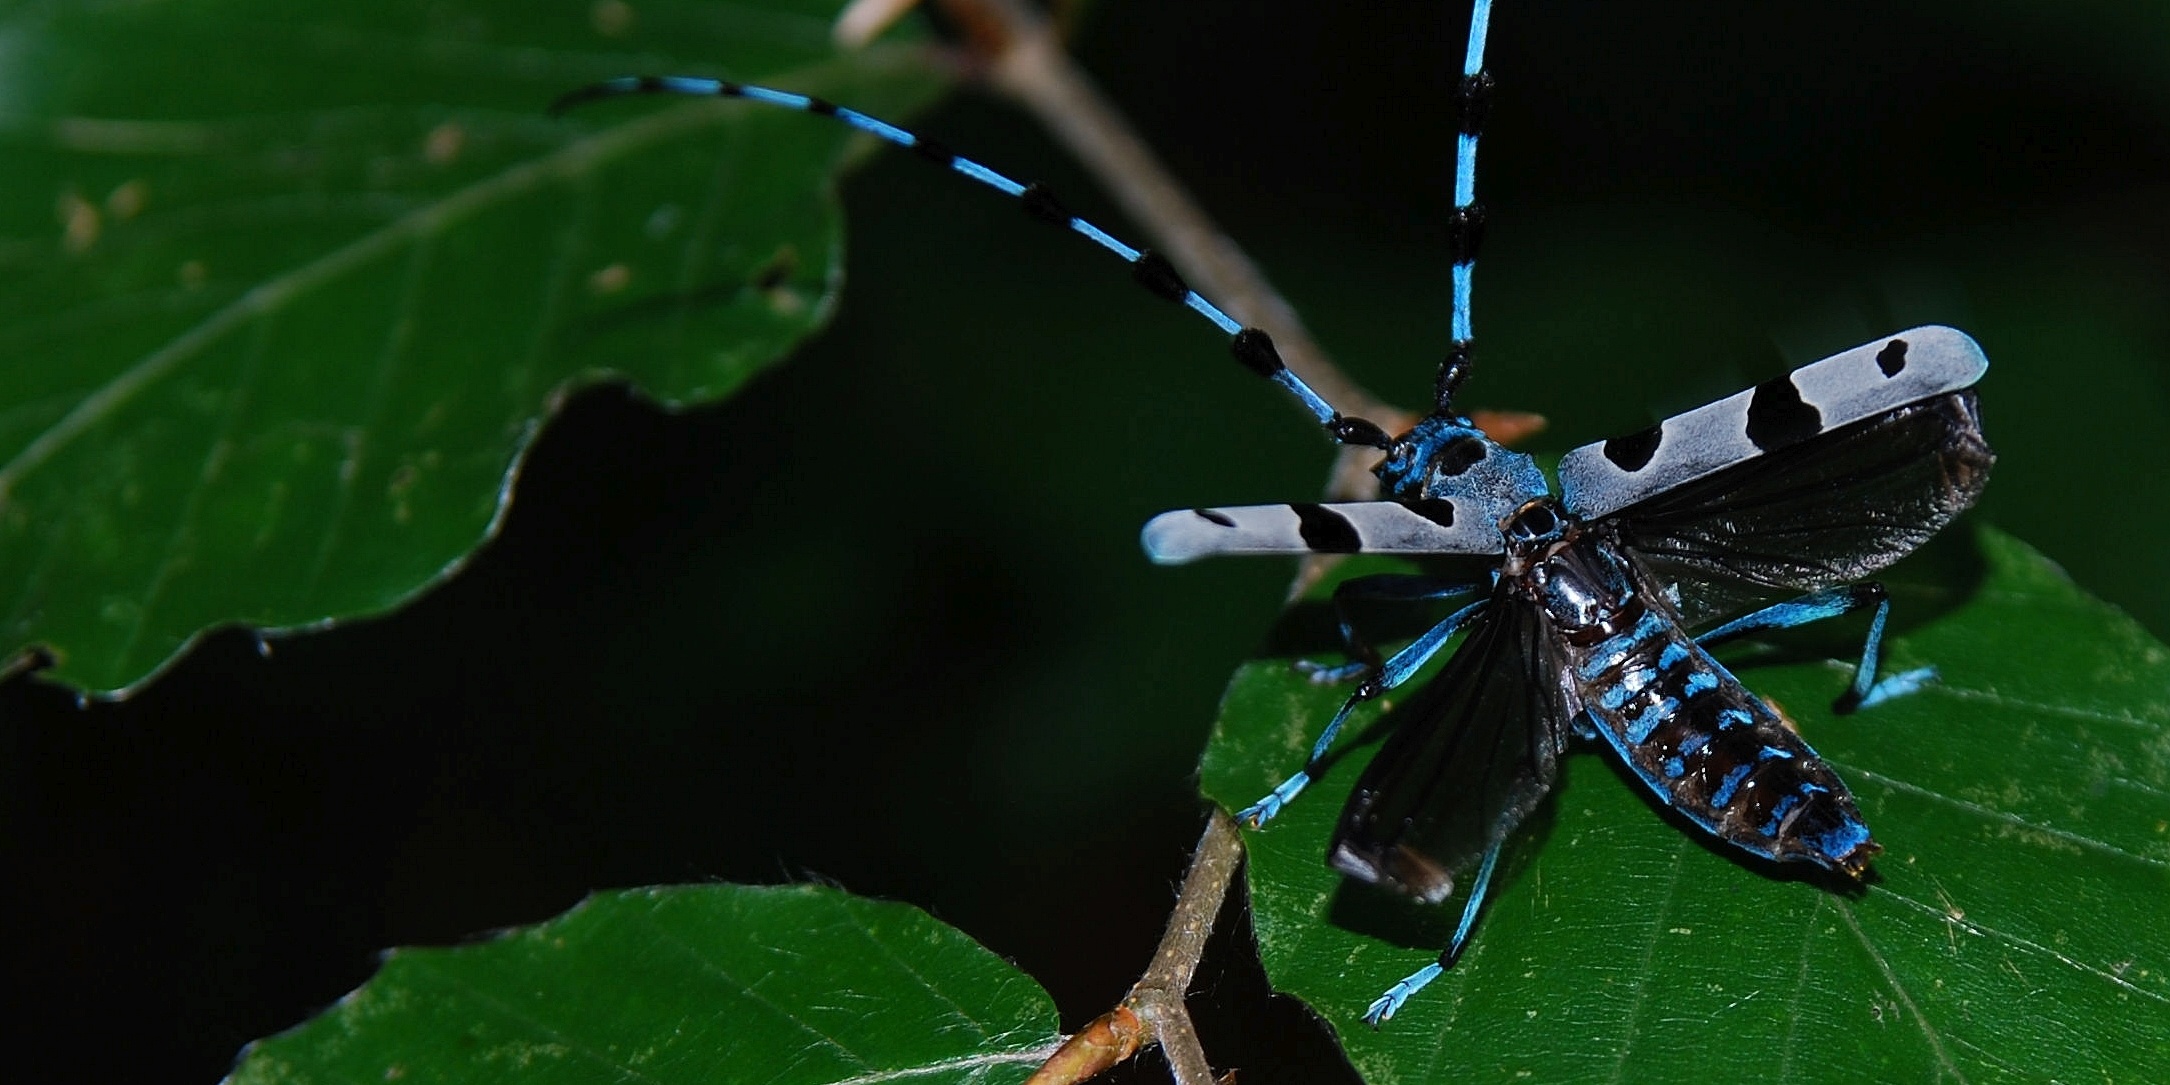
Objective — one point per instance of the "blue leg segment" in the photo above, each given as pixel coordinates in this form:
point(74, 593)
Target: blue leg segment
point(1831, 603)
point(1251, 346)
point(1384, 1007)
point(1325, 675)
point(1382, 588)
point(1392, 673)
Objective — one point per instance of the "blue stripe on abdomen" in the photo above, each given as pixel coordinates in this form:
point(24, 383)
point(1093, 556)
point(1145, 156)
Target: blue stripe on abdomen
point(1713, 751)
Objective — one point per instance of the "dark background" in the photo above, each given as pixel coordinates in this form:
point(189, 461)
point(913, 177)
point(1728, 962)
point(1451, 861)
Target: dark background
point(881, 619)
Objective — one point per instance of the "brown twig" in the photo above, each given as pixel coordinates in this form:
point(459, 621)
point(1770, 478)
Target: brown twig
point(1154, 1010)
point(1158, 995)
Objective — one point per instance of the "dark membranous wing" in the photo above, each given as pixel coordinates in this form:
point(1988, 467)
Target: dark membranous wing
point(1476, 752)
point(1832, 509)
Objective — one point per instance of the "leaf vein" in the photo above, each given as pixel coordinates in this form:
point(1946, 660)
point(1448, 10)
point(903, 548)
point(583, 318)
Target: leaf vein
point(1928, 1031)
point(753, 994)
point(1991, 814)
point(974, 1064)
point(858, 923)
point(2002, 700)
point(575, 159)
point(1800, 992)
point(1944, 915)
point(1648, 967)
point(206, 471)
point(505, 1009)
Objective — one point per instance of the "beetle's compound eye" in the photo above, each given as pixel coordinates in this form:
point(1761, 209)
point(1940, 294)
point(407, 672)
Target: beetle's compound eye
point(1533, 522)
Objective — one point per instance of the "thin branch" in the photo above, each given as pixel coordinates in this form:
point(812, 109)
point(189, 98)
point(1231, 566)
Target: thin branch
point(1154, 1010)
point(863, 20)
point(1159, 994)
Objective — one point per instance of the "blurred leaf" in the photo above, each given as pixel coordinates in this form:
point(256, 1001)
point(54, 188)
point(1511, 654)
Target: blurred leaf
point(710, 984)
point(2018, 928)
point(277, 331)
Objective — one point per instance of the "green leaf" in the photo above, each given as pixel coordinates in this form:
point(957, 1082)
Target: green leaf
point(278, 329)
point(707, 984)
point(2017, 929)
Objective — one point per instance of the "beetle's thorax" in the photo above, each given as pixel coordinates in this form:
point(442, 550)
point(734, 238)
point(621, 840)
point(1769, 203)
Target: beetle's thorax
point(1574, 572)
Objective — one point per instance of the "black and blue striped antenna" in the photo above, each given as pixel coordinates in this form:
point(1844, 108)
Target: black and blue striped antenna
point(1465, 226)
point(1251, 346)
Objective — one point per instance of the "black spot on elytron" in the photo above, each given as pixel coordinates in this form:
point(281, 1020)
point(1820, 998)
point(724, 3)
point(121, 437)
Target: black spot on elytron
point(1892, 358)
point(1327, 531)
point(1633, 452)
point(932, 151)
point(1438, 510)
point(1256, 351)
point(1457, 456)
point(1213, 517)
point(1465, 233)
point(1155, 273)
point(1042, 205)
point(1777, 417)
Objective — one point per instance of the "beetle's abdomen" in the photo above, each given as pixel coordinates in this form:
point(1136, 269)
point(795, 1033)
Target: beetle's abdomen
point(1715, 751)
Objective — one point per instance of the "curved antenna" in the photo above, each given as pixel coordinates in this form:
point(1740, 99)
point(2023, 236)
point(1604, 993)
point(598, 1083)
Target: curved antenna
point(1251, 346)
point(1465, 226)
